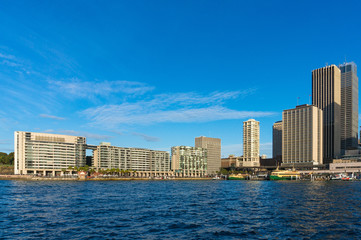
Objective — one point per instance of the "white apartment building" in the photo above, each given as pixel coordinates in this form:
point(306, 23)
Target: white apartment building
point(302, 136)
point(189, 161)
point(138, 159)
point(251, 143)
point(47, 153)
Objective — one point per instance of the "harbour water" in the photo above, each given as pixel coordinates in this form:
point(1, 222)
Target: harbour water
point(180, 210)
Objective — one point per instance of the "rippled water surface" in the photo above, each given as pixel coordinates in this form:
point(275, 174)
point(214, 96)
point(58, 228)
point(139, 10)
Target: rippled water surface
point(180, 210)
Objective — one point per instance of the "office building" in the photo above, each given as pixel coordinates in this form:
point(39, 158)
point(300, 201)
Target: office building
point(213, 146)
point(251, 143)
point(277, 141)
point(136, 159)
point(326, 95)
point(349, 107)
point(47, 154)
point(302, 136)
point(189, 161)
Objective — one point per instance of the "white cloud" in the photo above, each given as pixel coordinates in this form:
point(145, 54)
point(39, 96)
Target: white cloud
point(138, 114)
point(83, 89)
point(7, 56)
point(9, 60)
point(51, 117)
point(80, 134)
point(179, 107)
point(146, 137)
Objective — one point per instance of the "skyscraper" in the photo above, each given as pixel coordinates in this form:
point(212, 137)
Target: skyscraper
point(302, 136)
point(326, 95)
point(213, 146)
point(349, 106)
point(277, 141)
point(251, 143)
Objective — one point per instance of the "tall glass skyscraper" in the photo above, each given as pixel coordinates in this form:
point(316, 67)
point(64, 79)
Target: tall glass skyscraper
point(349, 106)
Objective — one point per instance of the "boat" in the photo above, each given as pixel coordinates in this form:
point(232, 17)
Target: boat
point(285, 174)
point(239, 176)
point(343, 177)
point(216, 178)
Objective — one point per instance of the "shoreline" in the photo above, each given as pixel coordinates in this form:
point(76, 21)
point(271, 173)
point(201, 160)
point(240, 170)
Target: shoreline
point(31, 178)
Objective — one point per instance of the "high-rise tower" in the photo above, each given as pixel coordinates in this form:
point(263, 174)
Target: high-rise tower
point(277, 141)
point(349, 106)
point(213, 146)
point(251, 143)
point(326, 95)
point(302, 136)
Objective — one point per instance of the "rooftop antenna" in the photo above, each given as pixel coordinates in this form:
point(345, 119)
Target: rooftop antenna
point(309, 99)
point(298, 98)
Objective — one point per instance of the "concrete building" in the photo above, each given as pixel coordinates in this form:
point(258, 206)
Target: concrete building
point(251, 143)
point(46, 153)
point(138, 159)
point(326, 95)
point(302, 141)
point(232, 162)
point(277, 141)
point(189, 161)
point(349, 106)
point(213, 146)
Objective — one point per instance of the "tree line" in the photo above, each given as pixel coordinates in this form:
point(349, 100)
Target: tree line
point(6, 159)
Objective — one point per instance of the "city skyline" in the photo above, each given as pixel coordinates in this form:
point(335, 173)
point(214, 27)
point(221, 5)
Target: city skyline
point(160, 74)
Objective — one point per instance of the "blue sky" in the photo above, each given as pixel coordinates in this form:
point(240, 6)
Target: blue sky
point(156, 74)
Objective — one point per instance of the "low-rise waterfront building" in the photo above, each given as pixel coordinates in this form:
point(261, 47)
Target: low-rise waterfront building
point(47, 153)
point(136, 159)
point(232, 162)
point(189, 161)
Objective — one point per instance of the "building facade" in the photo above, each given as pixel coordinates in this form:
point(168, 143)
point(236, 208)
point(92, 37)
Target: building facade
point(349, 106)
point(213, 146)
point(251, 139)
point(136, 159)
point(277, 141)
point(326, 95)
point(302, 136)
point(232, 162)
point(189, 161)
point(47, 153)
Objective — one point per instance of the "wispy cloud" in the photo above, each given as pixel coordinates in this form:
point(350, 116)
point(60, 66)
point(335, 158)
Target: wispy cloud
point(80, 133)
point(9, 60)
point(51, 117)
point(84, 89)
point(146, 137)
point(7, 56)
point(177, 108)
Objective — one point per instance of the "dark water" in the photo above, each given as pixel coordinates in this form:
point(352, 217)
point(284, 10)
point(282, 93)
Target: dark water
point(180, 210)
